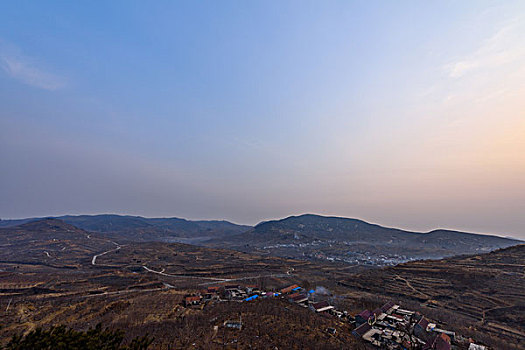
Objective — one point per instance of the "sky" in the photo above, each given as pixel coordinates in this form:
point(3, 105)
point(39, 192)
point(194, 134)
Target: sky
point(404, 113)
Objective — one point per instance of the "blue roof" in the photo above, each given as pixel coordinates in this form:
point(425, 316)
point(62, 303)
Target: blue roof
point(311, 291)
point(296, 288)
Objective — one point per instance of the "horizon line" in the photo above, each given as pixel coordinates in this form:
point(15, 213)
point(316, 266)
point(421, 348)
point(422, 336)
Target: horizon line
point(268, 220)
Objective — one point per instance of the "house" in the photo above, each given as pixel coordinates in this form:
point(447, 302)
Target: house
point(192, 300)
point(210, 296)
point(288, 289)
point(405, 312)
point(451, 334)
point(363, 317)
point(235, 294)
point(230, 287)
point(388, 306)
point(361, 330)
point(379, 314)
point(251, 289)
point(293, 295)
point(394, 335)
point(336, 313)
point(373, 336)
point(440, 342)
point(421, 327)
point(213, 289)
point(322, 306)
point(396, 318)
point(299, 298)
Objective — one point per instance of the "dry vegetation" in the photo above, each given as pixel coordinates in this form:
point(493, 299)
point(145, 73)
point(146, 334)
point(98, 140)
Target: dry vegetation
point(480, 296)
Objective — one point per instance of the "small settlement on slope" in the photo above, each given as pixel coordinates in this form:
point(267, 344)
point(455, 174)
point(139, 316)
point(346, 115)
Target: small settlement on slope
point(387, 327)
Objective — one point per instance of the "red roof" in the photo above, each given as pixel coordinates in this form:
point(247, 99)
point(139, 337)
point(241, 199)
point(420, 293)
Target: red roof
point(192, 298)
point(440, 342)
point(365, 314)
point(299, 297)
point(387, 306)
point(423, 323)
point(362, 329)
point(377, 312)
point(320, 305)
point(289, 289)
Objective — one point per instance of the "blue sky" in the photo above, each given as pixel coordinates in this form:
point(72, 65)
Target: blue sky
point(403, 113)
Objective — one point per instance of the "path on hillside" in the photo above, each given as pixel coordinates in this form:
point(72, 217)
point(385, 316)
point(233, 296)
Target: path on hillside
point(182, 276)
point(94, 259)
point(411, 286)
point(216, 280)
point(277, 275)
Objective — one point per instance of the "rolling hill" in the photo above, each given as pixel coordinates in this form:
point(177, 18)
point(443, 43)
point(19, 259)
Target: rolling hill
point(137, 228)
point(306, 237)
point(50, 242)
point(355, 241)
point(139, 287)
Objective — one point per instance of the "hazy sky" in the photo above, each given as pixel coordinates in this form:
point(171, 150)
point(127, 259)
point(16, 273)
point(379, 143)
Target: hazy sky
point(403, 113)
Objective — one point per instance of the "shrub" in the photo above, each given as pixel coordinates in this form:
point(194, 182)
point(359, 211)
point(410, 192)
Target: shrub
point(63, 338)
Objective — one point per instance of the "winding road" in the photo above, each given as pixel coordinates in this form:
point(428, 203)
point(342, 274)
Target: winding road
point(182, 276)
point(94, 259)
point(216, 279)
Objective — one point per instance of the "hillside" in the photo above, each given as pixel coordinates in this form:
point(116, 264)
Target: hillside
point(50, 242)
point(139, 286)
point(138, 228)
point(86, 279)
point(305, 237)
point(354, 241)
point(485, 291)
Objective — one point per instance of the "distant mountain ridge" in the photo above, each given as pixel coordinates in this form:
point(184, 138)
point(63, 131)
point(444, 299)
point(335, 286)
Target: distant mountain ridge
point(351, 240)
point(139, 228)
point(332, 226)
point(50, 242)
point(307, 236)
point(85, 273)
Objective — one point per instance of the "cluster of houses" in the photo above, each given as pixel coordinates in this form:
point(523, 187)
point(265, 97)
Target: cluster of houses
point(388, 327)
point(305, 298)
point(391, 327)
point(225, 293)
point(293, 293)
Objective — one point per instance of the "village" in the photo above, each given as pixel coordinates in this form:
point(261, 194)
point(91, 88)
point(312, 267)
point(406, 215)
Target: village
point(323, 250)
point(387, 327)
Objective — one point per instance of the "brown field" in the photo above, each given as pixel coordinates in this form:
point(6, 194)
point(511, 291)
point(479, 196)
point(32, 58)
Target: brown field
point(138, 287)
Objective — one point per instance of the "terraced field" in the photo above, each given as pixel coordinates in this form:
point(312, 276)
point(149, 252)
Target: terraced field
point(485, 291)
point(86, 279)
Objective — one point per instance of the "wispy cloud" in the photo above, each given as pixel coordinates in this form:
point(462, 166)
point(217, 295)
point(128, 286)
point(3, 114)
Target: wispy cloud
point(26, 70)
point(503, 47)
